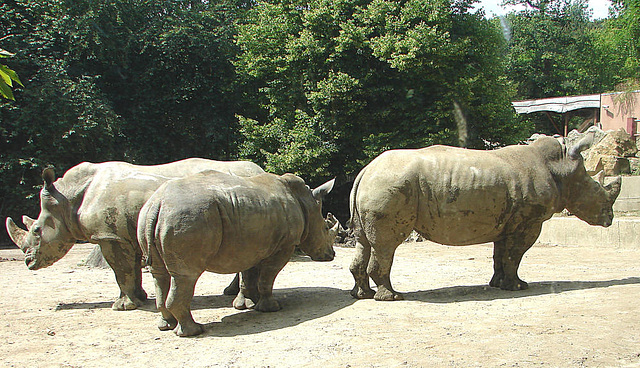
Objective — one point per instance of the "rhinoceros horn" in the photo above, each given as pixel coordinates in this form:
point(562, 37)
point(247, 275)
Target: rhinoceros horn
point(16, 234)
point(333, 232)
point(583, 144)
point(613, 188)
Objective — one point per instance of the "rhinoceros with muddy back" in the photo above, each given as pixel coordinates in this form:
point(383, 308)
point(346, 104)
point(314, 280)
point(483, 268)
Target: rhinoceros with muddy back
point(457, 196)
point(226, 224)
point(99, 203)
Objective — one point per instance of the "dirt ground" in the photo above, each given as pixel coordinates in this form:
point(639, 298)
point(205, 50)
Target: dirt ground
point(581, 311)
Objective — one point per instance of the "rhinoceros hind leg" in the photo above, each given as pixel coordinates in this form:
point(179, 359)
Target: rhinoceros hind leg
point(165, 324)
point(379, 269)
point(496, 280)
point(189, 329)
point(362, 288)
point(268, 304)
point(384, 294)
point(179, 304)
point(360, 293)
point(234, 286)
point(248, 289)
point(511, 284)
point(241, 302)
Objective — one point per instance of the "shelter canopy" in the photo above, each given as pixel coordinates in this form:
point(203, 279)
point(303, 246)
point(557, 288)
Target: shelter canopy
point(559, 105)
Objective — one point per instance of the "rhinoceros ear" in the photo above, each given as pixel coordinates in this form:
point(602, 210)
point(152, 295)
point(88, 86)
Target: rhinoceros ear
point(323, 190)
point(27, 221)
point(49, 176)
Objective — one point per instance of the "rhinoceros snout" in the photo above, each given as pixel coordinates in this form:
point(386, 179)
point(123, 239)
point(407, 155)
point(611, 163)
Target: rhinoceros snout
point(326, 257)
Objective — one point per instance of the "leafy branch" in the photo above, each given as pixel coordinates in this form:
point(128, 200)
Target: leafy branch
point(7, 77)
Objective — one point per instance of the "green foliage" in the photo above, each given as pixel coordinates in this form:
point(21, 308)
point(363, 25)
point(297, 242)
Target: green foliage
point(7, 77)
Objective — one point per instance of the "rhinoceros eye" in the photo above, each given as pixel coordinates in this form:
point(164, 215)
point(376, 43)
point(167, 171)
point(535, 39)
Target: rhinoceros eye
point(37, 230)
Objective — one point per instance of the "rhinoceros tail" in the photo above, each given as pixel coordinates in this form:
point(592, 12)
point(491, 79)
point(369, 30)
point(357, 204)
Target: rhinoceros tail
point(354, 219)
point(147, 221)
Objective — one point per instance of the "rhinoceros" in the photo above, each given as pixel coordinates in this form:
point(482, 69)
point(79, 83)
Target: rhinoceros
point(457, 196)
point(99, 203)
point(226, 224)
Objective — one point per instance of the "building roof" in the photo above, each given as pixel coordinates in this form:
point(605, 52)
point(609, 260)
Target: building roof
point(557, 104)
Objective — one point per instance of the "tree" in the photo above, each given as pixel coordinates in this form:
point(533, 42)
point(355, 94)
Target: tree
point(145, 82)
point(332, 84)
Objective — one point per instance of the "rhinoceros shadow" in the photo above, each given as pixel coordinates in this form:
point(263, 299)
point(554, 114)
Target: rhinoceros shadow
point(457, 294)
point(299, 305)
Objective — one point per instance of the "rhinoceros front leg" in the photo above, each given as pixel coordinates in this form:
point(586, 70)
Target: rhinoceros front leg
point(507, 255)
point(362, 288)
point(126, 263)
point(269, 269)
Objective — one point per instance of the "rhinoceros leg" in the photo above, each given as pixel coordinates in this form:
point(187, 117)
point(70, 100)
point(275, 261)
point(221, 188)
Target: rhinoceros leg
point(507, 255)
point(362, 288)
point(234, 286)
point(248, 290)
point(379, 269)
point(162, 280)
point(179, 304)
point(126, 263)
point(269, 269)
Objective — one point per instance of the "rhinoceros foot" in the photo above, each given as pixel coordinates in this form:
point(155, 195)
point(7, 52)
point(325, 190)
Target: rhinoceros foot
point(124, 303)
point(189, 329)
point(385, 294)
point(267, 305)
point(360, 293)
point(167, 324)
point(508, 284)
point(242, 303)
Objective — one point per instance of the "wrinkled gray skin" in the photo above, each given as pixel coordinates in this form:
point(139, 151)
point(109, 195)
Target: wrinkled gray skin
point(456, 196)
point(226, 224)
point(99, 203)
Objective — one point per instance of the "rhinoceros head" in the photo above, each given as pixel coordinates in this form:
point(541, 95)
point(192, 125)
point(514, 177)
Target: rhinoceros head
point(587, 198)
point(317, 241)
point(48, 238)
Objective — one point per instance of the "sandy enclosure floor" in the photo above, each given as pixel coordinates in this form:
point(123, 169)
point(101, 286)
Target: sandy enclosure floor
point(581, 311)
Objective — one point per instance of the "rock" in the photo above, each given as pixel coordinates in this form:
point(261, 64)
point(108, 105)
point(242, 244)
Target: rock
point(616, 143)
point(610, 154)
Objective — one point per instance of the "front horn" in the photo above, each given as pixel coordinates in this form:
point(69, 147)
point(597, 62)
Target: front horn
point(16, 234)
point(613, 188)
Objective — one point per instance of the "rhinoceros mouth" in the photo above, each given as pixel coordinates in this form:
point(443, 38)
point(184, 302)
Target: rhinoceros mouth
point(30, 261)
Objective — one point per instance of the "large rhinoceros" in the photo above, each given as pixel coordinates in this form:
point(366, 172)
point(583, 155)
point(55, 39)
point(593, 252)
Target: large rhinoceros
point(225, 224)
point(458, 196)
point(99, 203)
